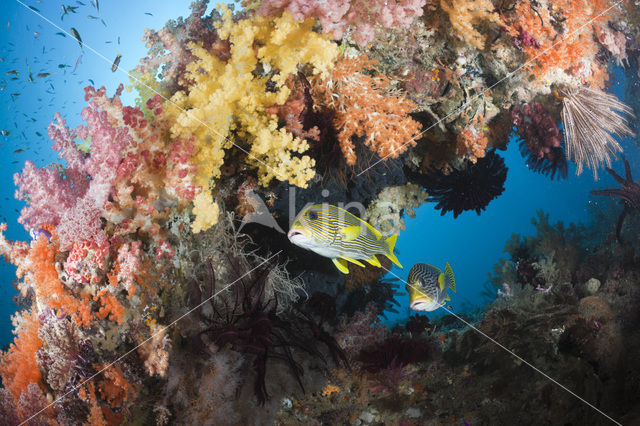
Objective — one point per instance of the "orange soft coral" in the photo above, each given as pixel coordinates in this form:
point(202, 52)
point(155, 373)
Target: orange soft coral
point(115, 389)
point(472, 141)
point(87, 393)
point(466, 15)
point(49, 290)
point(18, 365)
point(564, 37)
point(110, 306)
point(363, 109)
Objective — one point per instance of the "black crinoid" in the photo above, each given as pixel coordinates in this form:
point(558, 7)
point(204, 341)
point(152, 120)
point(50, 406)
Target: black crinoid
point(629, 193)
point(470, 188)
point(244, 317)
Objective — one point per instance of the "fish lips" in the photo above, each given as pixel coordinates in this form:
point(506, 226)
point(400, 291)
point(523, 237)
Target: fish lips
point(422, 305)
point(296, 235)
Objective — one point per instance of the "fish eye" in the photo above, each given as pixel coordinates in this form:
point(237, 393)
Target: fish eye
point(313, 215)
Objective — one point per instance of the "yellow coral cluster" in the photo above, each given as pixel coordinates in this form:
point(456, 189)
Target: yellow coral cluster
point(226, 101)
point(465, 15)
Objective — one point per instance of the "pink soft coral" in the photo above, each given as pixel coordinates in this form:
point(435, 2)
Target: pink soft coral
point(73, 202)
point(129, 178)
point(336, 16)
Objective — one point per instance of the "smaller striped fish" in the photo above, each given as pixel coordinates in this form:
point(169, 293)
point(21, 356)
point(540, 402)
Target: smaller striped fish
point(427, 286)
point(337, 234)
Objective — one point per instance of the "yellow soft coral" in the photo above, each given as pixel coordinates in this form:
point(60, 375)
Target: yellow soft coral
point(226, 102)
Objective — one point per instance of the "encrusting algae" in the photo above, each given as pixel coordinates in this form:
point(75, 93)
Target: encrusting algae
point(160, 285)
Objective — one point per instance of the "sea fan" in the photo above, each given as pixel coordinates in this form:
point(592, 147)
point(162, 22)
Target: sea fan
point(470, 188)
point(591, 118)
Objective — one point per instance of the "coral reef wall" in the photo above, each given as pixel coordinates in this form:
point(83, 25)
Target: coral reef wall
point(150, 293)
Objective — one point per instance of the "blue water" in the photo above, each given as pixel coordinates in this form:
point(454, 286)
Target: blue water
point(471, 243)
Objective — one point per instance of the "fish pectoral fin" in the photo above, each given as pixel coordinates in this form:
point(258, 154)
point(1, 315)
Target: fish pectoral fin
point(374, 261)
point(353, 261)
point(441, 282)
point(341, 264)
point(350, 233)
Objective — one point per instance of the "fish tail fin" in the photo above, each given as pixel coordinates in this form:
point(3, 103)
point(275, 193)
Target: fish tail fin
point(391, 242)
point(449, 278)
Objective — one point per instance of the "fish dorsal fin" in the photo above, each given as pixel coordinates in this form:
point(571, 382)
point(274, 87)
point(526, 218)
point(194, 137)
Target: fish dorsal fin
point(353, 261)
point(374, 261)
point(353, 218)
point(350, 233)
point(449, 278)
point(375, 231)
point(341, 264)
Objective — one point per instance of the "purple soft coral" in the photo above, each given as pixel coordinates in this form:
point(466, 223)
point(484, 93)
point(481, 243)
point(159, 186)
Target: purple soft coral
point(541, 140)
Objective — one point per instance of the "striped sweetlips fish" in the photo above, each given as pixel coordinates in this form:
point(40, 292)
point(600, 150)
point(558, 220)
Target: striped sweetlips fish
point(427, 286)
point(341, 236)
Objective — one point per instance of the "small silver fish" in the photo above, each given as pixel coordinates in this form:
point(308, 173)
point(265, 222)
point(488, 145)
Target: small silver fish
point(76, 35)
point(427, 286)
point(116, 62)
point(337, 234)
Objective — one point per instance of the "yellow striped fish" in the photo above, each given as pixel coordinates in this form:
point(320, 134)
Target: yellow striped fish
point(427, 286)
point(337, 234)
